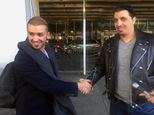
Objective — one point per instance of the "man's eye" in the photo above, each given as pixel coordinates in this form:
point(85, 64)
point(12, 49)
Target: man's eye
point(115, 20)
point(31, 34)
point(123, 19)
point(40, 34)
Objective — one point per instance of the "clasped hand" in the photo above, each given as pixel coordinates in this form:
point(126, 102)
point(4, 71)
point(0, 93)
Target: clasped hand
point(84, 86)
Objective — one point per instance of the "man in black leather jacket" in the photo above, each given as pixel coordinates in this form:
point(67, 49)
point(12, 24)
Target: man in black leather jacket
point(125, 59)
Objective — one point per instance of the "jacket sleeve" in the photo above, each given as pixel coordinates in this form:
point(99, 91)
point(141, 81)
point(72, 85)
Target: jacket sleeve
point(99, 71)
point(26, 69)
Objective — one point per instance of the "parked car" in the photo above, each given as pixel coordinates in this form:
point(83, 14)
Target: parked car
point(57, 46)
point(76, 47)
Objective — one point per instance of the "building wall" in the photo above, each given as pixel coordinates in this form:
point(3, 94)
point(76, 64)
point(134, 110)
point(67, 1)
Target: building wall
point(14, 16)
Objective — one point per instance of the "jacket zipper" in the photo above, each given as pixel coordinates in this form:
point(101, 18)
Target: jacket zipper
point(149, 65)
point(131, 76)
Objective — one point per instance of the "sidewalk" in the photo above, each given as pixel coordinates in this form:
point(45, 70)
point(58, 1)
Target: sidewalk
point(91, 104)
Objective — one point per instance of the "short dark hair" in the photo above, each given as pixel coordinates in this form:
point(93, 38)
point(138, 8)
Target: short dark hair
point(35, 21)
point(125, 7)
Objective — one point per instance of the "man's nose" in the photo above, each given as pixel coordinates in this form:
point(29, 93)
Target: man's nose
point(35, 38)
point(119, 23)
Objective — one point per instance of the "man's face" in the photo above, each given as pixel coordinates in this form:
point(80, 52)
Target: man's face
point(123, 23)
point(37, 36)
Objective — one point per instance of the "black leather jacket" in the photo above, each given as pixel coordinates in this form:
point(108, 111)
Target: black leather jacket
point(141, 66)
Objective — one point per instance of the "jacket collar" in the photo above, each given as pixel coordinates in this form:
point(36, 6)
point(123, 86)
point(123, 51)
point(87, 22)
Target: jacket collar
point(40, 58)
point(140, 47)
point(141, 37)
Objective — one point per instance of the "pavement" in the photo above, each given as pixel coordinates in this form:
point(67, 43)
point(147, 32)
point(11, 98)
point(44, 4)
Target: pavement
point(93, 103)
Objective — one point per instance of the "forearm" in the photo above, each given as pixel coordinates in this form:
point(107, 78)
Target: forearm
point(94, 76)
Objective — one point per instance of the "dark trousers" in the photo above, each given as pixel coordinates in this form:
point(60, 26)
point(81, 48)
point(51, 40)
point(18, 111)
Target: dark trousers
point(118, 107)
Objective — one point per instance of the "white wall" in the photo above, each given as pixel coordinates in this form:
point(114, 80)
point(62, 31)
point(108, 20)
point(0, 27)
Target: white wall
point(12, 29)
point(14, 15)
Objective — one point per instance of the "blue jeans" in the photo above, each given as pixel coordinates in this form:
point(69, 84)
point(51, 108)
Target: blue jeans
point(118, 107)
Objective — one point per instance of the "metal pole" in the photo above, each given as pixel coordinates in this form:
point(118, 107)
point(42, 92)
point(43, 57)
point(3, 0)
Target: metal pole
point(84, 37)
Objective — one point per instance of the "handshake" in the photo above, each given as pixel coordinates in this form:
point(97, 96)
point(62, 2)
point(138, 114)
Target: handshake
point(84, 86)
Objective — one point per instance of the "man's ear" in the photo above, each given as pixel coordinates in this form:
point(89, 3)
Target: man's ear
point(134, 20)
point(48, 34)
